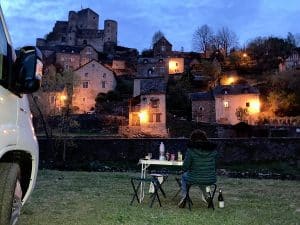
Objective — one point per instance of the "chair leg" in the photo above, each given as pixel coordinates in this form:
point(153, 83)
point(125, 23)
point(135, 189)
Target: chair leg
point(179, 185)
point(188, 199)
point(160, 184)
point(211, 197)
point(135, 195)
point(155, 194)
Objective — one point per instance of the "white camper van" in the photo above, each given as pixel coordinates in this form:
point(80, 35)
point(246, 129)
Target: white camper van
point(18, 145)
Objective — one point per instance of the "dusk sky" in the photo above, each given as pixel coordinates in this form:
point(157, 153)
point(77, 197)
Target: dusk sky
point(139, 19)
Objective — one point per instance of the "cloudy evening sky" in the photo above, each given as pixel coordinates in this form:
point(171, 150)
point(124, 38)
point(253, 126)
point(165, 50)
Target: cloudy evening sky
point(139, 19)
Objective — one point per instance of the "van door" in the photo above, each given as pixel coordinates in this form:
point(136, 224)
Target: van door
point(8, 100)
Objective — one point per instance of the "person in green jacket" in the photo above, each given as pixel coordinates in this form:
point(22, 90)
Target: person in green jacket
point(199, 165)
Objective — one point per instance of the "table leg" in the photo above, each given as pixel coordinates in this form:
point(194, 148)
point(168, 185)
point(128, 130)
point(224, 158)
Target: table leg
point(143, 176)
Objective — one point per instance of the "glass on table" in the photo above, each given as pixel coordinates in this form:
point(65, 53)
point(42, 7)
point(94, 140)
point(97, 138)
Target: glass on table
point(148, 156)
point(172, 157)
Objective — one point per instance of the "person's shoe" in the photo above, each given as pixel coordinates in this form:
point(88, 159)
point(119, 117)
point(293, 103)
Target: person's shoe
point(182, 202)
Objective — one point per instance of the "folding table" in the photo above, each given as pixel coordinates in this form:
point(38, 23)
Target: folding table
point(145, 163)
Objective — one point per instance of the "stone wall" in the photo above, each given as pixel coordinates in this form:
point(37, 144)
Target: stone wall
point(83, 151)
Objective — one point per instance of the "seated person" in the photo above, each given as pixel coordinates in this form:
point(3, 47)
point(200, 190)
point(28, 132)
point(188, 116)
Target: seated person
point(198, 165)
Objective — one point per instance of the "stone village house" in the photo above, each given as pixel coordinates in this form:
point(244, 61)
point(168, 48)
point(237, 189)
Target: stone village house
point(162, 48)
point(147, 109)
point(94, 78)
point(71, 58)
point(292, 62)
point(225, 104)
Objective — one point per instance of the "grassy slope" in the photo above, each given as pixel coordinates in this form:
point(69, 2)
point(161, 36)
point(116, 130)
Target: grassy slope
point(103, 198)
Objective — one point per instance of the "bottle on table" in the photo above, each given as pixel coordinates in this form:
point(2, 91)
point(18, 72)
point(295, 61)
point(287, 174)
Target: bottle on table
point(168, 156)
point(221, 199)
point(179, 156)
point(162, 151)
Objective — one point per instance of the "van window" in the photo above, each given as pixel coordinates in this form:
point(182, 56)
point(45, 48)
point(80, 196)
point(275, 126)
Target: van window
point(3, 53)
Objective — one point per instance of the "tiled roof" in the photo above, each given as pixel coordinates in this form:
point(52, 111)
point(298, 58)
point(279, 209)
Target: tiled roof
point(224, 90)
point(204, 96)
point(153, 85)
point(162, 39)
point(235, 89)
point(150, 60)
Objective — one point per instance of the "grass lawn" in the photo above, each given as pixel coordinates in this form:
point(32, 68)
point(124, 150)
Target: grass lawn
point(77, 198)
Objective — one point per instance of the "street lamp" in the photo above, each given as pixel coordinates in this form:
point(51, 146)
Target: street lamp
point(143, 116)
point(62, 98)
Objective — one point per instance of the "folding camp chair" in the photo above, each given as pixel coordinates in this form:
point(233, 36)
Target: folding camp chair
point(154, 181)
point(211, 195)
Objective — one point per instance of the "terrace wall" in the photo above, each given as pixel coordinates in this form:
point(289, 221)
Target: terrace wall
point(81, 152)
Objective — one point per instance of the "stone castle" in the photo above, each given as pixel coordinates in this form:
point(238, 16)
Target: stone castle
point(81, 29)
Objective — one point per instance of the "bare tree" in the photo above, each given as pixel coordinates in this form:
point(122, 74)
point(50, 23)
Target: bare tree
point(297, 38)
point(291, 39)
point(226, 39)
point(156, 36)
point(202, 39)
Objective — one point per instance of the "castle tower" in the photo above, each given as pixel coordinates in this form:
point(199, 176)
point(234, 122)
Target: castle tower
point(111, 31)
point(87, 19)
point(71, 31)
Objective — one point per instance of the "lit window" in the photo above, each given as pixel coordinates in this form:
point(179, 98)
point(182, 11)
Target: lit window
point(103, 84)
point(85, 84)
point(151, 117)
point(52, 99)
point(226, 104)
point(158, 117)
point(154, 103)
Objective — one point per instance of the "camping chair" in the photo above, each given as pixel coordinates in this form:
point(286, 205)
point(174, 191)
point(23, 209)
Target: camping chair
point(154, 181)
point(205, 177)
point(210, 203)
point(161, 179)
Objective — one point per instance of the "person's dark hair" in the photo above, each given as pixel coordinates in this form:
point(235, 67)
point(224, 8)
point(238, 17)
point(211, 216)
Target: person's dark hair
point(198, 136)
point(198, 139)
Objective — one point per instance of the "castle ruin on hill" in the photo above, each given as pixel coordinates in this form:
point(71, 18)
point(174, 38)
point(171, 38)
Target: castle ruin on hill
point(81, 29)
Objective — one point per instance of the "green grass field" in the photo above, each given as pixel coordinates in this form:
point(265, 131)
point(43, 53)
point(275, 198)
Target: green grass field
point(82, 198)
